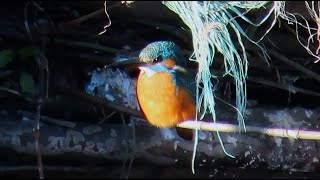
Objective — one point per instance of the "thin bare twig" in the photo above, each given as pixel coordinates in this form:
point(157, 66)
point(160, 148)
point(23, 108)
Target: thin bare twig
point(50, 120)
point(101, 101)
point(63, 123)
point(182, 35)
point(47, 15)
point(125, 172)
point(85, 57)
point(287, 87)
point(50, 168)
point(94, 46)
point(297, 66)
point(5, 74)
point(26, 23)
point(106, 117)
point(11, 91)
point(134, 147)
point(38, 116)
point(123, 169)
point(36, 131)
point(228, 128)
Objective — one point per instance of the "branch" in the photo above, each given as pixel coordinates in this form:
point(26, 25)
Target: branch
point(229, 128)
point(164, 147)
point(101, 101)
point(4, 74)
point(94, 46)
point(4, 169)
point(297, 66)
point(178, 32)
point(36, 133)
point(287, 87)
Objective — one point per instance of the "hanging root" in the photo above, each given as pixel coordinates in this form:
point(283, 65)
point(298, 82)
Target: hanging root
point(109, 24)
point(313, 32)
point(208, 23)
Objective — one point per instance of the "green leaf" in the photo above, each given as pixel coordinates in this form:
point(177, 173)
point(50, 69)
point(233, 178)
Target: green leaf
point(28, 51)
point(27, 83)
point(5, 57)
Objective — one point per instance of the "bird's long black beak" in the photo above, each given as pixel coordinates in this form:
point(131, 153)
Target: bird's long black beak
point(132, 63)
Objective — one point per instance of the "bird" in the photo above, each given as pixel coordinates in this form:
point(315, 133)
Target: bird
point(165, 90)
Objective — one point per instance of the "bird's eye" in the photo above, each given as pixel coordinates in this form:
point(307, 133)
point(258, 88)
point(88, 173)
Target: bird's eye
point(158, 59)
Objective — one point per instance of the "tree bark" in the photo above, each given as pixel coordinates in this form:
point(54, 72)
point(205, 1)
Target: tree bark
point(105, 142)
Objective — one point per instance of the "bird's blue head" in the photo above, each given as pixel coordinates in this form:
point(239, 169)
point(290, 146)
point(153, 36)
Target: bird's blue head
point(161, 50)
point(166, 56)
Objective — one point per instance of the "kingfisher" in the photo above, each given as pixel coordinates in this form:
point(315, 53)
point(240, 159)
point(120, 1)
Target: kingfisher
point(165, 90)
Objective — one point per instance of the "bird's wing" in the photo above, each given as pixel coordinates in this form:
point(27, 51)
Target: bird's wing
point(187, 80)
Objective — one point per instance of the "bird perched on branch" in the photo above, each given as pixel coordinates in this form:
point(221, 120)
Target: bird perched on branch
point(165, 90)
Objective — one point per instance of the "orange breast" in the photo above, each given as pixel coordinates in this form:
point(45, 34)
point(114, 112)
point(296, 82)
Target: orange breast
point(162, 103)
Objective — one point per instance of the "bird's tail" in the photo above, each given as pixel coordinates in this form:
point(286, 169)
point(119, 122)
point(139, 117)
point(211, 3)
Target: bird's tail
point(186, 134)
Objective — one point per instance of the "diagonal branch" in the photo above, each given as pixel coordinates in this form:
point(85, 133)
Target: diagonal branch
point(287, 87)
point(297, 66)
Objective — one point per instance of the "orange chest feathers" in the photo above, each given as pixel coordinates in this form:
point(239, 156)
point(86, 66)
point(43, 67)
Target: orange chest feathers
point(163, 104)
